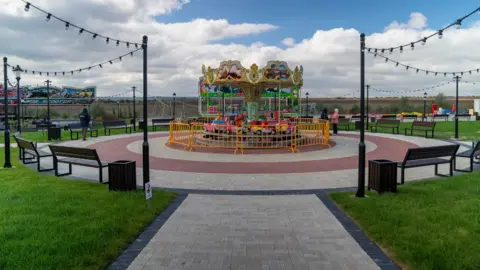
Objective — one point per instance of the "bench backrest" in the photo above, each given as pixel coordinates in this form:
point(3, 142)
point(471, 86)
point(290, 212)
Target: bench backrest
point(161, 121)
point(344, 120)
point(26, 145)
point(390, 116)
point(423, 124)
point(74, 152)
point(410, 116)
point(440, 115)
point(382, 121)
point(464, 115)
point(431, 152)
point(114, 123)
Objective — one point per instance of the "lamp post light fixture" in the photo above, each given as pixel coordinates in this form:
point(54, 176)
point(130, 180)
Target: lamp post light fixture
point(424, 118)
point(306, 112)
point(7, 163)
point(174, 96)
point(18, 72)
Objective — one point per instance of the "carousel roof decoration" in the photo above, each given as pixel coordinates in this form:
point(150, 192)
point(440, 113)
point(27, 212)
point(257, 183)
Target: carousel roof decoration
point(275, 73)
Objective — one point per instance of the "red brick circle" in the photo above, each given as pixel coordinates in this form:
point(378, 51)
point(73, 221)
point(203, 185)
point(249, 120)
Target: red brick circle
point(387, 148)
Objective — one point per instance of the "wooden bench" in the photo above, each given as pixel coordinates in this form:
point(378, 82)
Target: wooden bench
point(421, 126)
point(441, 116)
point(428, 156)
point(77, 129)
point(345, 123)
point(160, 123)
point(410, 116)
point(30, 148)
point(386, 123)
point(389, 116)
point(76, 156)
point(355, 118)
point(464, 116)
point(472, 154)
point(117, 124)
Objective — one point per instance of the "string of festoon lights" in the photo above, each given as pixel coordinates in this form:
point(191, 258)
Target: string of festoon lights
point(117, 95)
point(457, 24)
point(410, 91)
point(427, 72)
point(100, 65)
point(68, 25)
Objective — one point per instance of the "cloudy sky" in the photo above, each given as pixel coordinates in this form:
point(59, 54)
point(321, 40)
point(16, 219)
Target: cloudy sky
point(323, 36)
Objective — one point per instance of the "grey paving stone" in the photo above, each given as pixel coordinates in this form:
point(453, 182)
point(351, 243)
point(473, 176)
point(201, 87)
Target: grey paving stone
point(277, 232)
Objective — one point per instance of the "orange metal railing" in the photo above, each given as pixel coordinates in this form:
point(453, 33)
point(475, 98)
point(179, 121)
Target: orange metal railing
point(279, 135)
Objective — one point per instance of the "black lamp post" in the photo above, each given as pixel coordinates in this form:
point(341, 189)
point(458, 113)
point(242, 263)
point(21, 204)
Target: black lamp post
point(424, 118)
point(368, 118)
point(7, 163)
point(18, 72)
point(174, 95)
point(456, 107)
point(48, 109)
point(118, 109)
point(134, 113)
point(361, 146)
point(145, 147)
point(306, 111)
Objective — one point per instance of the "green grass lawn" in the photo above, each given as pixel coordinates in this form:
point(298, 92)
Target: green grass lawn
point(53, 223)
point(427, 225)
point(42, 137)
point(468, 130)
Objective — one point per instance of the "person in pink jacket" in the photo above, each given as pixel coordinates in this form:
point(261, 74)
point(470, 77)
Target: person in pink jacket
point(334, 118)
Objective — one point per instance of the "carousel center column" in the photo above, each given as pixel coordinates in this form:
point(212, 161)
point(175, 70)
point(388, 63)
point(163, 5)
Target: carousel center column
point(251, 98)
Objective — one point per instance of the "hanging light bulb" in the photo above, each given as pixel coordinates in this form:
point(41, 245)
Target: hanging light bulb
point(391, 50)
point(120, 58)
point(383, 51)
point(440, 34)
point(48, 17)
point(118, 42)
point(386, 60)
point(412, 46)
point(67, 24)
point(374, 55)
point(396, 64)
point(458, 24)
point(136, 46)
point(424, 40)
point(100, 65)
point(94, 36)
point(128, 45)
point(110, 62)
point(27, 6)
point(108, 40)
point(401, 49)
point(81, 31)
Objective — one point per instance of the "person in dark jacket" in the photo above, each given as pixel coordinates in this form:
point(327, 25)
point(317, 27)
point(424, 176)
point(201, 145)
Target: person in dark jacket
point(84, 122)
point(324, 115)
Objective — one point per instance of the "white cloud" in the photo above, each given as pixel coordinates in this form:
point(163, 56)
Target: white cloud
point(289, 42)
point(177, 50)
point(417, 21)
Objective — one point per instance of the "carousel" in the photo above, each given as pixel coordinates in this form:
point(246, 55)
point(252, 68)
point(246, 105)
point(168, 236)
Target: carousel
point(249, 122)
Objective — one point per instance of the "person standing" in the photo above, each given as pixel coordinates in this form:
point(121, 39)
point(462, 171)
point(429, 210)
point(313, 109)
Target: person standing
point(84, 122)
point(335, 117)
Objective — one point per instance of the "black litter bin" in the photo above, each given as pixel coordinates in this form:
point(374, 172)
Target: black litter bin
point(140, 125)
point(55, 133)
point(357, 125)
point(382, 175)
point(122, 175)
point(373, 119)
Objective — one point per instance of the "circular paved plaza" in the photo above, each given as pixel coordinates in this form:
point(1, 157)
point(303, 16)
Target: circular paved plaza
point(316, 167)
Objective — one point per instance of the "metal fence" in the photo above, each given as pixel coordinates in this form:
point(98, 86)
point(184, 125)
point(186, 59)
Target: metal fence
point(271, 136)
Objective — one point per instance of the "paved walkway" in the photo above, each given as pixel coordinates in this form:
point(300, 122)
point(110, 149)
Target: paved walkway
point(228, 221)
point(252, 232)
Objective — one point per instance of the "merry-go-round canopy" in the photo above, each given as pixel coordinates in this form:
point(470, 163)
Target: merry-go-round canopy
point(274, 74)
